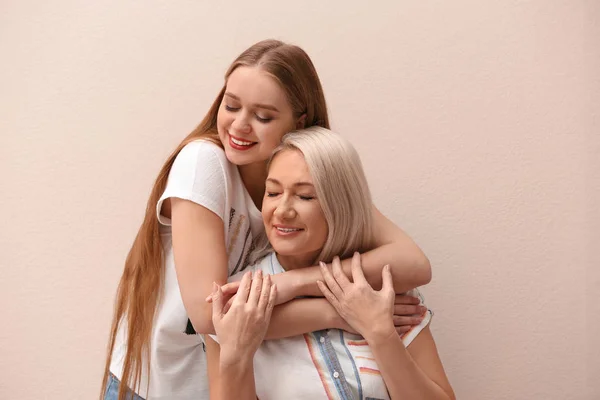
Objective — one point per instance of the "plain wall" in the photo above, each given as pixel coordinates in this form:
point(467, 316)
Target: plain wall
point(477, 123)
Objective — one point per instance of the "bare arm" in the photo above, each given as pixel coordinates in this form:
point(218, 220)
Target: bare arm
point(416, 373)
point(410, 267)
point(241, 329)
point(300, 316)
point(200, 258)
point(234, 381)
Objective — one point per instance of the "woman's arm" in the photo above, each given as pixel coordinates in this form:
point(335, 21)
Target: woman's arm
point(393, 247)
point(200, 257)
point(301, 316)
point(413, 373)
point(228, 381)
point(240, 329)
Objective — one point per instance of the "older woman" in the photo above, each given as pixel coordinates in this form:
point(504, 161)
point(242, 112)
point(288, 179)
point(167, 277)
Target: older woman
point(317, 208)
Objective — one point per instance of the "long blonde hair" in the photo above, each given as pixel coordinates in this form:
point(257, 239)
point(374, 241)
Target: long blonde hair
point(140, 287)
point(341, 187)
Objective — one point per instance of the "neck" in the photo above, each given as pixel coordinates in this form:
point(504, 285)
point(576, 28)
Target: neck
point(254, 176)
point(297, 261)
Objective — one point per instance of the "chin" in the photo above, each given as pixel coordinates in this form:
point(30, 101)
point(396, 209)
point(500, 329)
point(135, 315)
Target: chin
point(235, 158)
point(283, 249)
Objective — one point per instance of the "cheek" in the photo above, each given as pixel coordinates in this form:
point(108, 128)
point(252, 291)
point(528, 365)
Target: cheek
point(222, 117)
point(271, 133)
point(318, 223)
point(267, 211)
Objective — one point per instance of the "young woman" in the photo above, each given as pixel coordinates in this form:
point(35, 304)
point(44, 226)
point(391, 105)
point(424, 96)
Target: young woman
point(315, 192)
point(201, 219)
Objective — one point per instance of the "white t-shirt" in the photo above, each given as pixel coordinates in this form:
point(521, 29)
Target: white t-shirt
point(326, 364)
point(201, 173)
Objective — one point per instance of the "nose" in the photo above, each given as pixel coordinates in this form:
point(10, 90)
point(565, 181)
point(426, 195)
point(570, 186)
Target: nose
point(241, 123)
point(285, 208)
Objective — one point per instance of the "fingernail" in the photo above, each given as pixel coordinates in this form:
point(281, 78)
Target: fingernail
point(259, 273)
point(322, 264)
point(215, 287)
point(387, 267)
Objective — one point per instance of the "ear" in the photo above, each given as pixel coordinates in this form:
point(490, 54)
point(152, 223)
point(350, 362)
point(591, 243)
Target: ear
point(301, 122)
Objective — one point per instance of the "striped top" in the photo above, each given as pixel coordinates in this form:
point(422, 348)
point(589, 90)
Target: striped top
point(327, 364)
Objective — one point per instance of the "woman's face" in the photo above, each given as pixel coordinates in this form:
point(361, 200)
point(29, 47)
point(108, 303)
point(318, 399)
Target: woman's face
point(292, 214)
point(253, 116)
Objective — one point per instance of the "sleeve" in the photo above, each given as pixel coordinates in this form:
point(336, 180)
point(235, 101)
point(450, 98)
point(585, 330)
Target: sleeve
point(412, 334)
point(198, 175)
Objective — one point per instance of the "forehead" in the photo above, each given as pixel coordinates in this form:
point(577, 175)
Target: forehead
point(288, 167)
point(255, 86)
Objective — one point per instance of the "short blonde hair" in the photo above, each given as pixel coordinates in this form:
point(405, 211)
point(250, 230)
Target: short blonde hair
point(341, 189)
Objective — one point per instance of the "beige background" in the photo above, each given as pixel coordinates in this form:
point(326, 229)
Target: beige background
point(477, 122)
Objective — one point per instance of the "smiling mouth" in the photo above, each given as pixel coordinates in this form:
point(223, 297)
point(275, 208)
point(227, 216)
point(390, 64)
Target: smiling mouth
point(239, 143)
point(288, 230)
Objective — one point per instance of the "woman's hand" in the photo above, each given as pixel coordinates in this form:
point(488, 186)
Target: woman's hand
point(407, 313)
point(367, 311)
point(241, 327)
point(285, 288)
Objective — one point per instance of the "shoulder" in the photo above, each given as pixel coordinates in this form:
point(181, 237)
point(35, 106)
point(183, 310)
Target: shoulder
point(203, 151)
point(200, 162)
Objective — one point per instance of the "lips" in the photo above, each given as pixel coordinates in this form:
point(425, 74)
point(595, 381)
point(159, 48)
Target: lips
point(286, 230)
point(240, 144)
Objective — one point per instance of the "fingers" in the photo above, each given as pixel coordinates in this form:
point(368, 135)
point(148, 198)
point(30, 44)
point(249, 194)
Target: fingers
point(217, 304)
point(228, 304)
point(408, 309)
point(403, 329)
point(358, 276)
point(338, 273)
point(244, 290)
point(400, 321)
point(386, 276)
point(229, 289)
point(329, 295)
point(332, 284)
point(271, 302)
point(265, 293)
point(256, 288)
point(406, 299)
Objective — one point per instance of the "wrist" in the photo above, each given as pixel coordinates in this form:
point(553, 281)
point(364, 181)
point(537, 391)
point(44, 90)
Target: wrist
point(379, 334)
point(335, 319)
point(293, 283)
point(305, 282)
point(235, 360)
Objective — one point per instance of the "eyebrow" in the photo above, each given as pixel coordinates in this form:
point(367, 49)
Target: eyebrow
point(265, 106)
point(275, 181)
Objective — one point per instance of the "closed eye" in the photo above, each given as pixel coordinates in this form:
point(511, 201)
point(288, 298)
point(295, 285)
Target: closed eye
point(272, 194)
point(229, 108)
point(306, 198)
point(263, 120)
